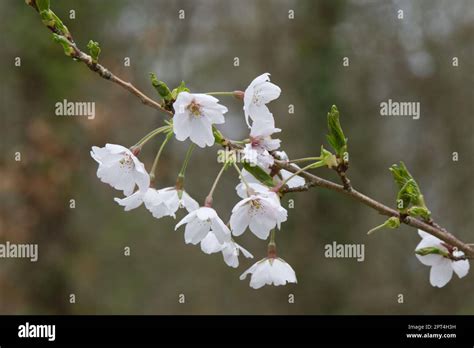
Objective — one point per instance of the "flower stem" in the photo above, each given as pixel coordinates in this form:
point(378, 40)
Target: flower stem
point(186, 159)
point(271, 249)
point(155, 162)
point(247, 186)
point(294, 174)
point(180, 179)
point(150, 135)
point(208, 201)
point(305, 159)
point(220, 93)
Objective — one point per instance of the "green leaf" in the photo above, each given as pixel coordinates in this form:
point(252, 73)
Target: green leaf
point(391, 223)
point(161, 87)
point(409, 191)
point(336, 136)
point(259, 174)
point(65, 43)
point(43, 5)
point(218, 137)
point(431, 250)
point(181, 88)
point(94, 50)
point(422, 212)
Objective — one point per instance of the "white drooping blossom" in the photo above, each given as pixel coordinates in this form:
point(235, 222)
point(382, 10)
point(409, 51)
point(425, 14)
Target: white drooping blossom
point(173, 199)
point(270, 271)
point(261, 212)
point(260, 92)
point(194, 116)
point(230, 250)
point(120, 168)
point(149, 197)
point(202, 221)
point(257, 151)
point(442, 267)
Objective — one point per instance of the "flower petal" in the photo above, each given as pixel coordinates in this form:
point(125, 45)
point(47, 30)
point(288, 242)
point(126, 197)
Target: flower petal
point(441, 273)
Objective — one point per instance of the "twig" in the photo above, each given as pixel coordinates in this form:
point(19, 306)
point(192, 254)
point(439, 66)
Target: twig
point(105, 73)
point(439, 232)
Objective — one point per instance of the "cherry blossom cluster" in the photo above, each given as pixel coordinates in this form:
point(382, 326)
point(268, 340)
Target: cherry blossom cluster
point(259, 209)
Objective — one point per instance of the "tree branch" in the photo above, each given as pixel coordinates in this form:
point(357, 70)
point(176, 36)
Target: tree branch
point(311, 180)
point(432, 228)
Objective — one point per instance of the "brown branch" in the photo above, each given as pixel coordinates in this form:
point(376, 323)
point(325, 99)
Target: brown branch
point(105, 73)
point(431, 228)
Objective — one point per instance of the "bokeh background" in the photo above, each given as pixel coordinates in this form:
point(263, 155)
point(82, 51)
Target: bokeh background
point(81, 250)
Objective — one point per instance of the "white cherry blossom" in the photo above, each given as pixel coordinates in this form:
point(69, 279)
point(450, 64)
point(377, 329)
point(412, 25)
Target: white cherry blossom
point(257, 152)
point(270, 271)
point(200, 222)
point(260, 92)
point(194, 116)
point(120, 168)
point(441, 267)
point(173, 199)
point(230, 250)
point(260, 212)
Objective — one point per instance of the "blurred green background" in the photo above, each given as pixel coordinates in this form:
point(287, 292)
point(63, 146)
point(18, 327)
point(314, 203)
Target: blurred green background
point(81, 249)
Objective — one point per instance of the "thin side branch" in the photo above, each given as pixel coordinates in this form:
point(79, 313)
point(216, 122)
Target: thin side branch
point(105, 73)
point(433, 229)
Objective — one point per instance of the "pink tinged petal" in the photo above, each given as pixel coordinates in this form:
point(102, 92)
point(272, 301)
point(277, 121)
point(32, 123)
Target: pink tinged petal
point(210, 244)
point(441, 273)
point(189, 203)
point(195, 231)
point(131, 202)
point(461, 267)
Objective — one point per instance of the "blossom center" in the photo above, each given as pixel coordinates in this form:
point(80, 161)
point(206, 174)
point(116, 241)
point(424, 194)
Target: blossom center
point(194, 108)
point(256, 98)
point(127, 162)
